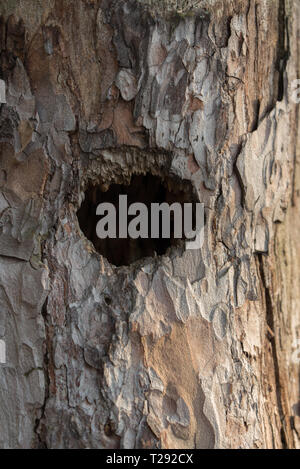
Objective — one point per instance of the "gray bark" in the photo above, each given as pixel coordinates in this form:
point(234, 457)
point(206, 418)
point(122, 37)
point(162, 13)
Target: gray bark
point(193, 349)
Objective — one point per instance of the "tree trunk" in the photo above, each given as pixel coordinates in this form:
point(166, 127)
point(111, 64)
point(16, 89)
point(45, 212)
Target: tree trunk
point(190, 348)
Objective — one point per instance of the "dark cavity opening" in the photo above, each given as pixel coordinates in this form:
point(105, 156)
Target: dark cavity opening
point(147, 189)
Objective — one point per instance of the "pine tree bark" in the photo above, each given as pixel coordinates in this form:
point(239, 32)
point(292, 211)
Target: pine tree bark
point(194, 349)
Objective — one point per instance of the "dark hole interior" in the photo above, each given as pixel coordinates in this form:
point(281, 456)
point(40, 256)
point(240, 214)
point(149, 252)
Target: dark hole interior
point(143, 188)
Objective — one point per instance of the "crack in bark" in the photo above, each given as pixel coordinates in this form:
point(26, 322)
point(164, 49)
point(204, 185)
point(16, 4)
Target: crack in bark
point(37, 431)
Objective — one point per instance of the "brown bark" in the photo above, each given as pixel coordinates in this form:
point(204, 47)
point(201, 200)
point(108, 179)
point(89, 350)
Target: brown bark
point(191, 349)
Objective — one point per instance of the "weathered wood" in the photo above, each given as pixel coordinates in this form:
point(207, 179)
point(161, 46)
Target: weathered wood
point(195, 349)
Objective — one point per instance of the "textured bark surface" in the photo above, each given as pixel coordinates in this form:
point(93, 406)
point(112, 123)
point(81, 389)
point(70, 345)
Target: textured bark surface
point(195, 349)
